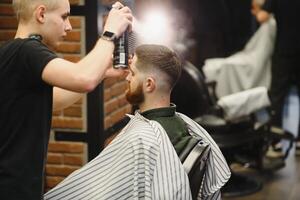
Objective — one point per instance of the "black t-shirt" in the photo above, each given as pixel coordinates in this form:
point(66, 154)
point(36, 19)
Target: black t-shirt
point(25, 118)
point(287, 15)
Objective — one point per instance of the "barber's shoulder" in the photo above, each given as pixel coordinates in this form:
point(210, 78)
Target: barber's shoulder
point(36, 47)
point(23, 46)
point(32, 43)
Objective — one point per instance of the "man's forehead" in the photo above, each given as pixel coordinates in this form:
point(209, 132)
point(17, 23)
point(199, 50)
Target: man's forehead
point(133, 63)
point(134, 59)
point(64, 5)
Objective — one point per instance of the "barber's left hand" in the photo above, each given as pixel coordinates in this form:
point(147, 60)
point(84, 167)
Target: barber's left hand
point(111, 72)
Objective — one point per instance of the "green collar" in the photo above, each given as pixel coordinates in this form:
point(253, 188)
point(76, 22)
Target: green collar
point(160, 112)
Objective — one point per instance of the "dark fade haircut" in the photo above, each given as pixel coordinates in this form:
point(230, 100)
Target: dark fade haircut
point(159, 57)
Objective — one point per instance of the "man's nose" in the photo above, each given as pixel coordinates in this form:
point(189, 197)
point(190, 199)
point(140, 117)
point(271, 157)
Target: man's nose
point(68, 26)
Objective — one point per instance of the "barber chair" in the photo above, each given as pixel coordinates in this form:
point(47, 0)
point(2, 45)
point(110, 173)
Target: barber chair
point(194, 98)
point(193, 158)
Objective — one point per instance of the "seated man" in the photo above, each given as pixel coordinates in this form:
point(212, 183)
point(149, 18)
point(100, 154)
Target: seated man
point(141, 161)
point(153, 73)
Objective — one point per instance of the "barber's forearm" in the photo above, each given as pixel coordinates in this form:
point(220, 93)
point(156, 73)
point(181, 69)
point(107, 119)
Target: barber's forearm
point(95, 64)
point(64, 98)
point(83, 76)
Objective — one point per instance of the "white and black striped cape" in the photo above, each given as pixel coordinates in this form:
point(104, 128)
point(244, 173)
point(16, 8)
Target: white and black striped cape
point(141, 163)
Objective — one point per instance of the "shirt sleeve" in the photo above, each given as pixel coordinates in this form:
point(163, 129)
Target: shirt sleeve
point(36, 56)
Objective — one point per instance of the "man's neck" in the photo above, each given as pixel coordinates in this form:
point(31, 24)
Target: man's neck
point(152, 103)
point(24, 30)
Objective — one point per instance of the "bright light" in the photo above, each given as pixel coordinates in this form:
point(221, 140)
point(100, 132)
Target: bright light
point(165, 27)
point(155, 28)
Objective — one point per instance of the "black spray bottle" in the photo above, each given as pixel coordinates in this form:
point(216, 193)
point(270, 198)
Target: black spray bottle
point(120, 59)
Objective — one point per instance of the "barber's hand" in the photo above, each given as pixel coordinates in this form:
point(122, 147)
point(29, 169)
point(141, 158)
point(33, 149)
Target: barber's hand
point(111, 72)
point(119, 19)
point(114, 73)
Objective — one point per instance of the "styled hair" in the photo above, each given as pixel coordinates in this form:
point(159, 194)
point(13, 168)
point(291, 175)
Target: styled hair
point(25, 8)
point(152, 56)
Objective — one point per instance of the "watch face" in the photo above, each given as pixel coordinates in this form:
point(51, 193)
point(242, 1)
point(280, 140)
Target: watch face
point(108, 34)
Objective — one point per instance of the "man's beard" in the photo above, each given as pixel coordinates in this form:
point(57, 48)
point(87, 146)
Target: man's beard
point(135, 97)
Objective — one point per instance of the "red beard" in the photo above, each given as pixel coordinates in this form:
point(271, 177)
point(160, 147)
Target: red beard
point(135, 97)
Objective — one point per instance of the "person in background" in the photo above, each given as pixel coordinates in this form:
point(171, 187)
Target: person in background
point(255, 8)
point(285, 62)
point(34, 81)
point(142, 160)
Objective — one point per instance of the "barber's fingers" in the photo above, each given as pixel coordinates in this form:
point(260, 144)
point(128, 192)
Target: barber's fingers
point(128, 15)
point(113, 73)
point(129, 18)
point(119, 20)
point(117, 5)
point(125, 9)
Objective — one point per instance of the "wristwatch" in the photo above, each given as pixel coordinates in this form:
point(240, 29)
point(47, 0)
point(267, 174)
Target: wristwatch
point(107, 35)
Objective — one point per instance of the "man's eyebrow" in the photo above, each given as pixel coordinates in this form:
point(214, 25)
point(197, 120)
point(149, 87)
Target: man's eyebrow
point(67, 14)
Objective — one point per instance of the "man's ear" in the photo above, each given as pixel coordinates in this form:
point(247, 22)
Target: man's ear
point(40, 13)
point(150, 84)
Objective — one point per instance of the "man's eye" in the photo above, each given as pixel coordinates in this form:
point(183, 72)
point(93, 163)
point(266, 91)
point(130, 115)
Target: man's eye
point(65, 16)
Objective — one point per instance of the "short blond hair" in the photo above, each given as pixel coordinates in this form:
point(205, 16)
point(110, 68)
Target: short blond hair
point(24, 8)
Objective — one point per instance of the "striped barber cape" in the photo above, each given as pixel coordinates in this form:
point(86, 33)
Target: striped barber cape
point(140, 163)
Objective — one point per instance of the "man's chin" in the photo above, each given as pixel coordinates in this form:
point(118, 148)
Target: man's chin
point(130, 100)
point(134, 101)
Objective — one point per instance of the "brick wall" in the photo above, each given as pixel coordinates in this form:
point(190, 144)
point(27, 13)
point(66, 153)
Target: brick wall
point(63, 159)
point(8, 23)
point(115, 104)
